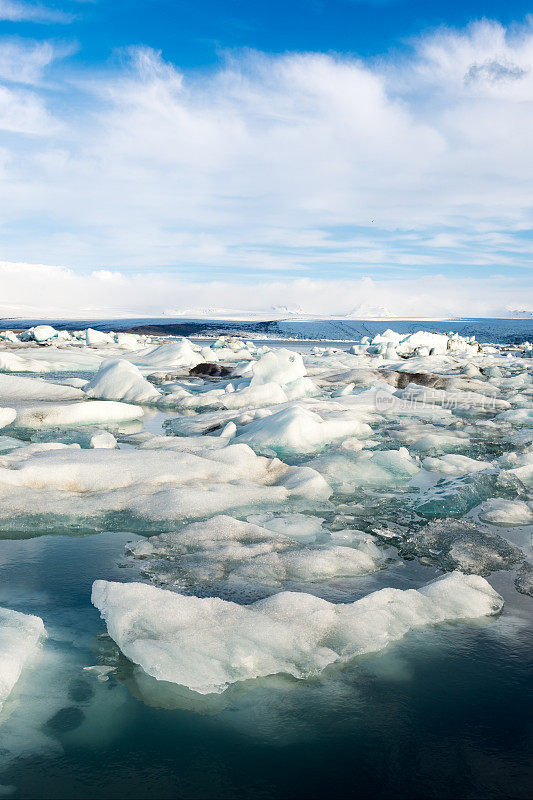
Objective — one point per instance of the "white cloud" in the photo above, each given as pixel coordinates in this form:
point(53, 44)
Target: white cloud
point(36, 290)
point(296, 165)
point(18, 11)
point(23, 112)
point(25, 61)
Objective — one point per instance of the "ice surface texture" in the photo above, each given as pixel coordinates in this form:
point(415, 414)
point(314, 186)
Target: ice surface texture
point(236, 559)
point(20, 635)
point(207, 643)
point(144, 488)
point(118, 379)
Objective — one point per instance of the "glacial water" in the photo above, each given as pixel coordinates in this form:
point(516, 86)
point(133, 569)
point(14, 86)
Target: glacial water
point(446, 712)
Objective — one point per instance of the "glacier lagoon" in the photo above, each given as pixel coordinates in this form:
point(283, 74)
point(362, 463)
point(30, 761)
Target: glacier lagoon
point(327, 559)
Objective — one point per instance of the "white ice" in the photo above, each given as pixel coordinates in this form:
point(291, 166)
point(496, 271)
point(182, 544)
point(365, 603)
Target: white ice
point(118, 379)
point(20, 636)
point(207, 644)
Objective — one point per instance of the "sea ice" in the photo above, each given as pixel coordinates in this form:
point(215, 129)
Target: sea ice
point(91, 412)
point(207, 644)
point(231, 558)
point(20, 635)
point(118, 379)
point(298, 430)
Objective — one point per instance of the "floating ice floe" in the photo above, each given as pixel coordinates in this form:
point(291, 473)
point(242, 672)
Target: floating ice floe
point(91, 412)
point(207, 643)
point(240, 560)
point(118, 379)
point(14, 388)
point(460, 544)
point(55, 485)
point(20, 636)
point(298, 430)
point(346, 469)
point(499, 511)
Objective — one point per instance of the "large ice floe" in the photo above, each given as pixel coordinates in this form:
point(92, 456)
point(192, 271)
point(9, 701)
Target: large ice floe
point(51, 485)
point(208, 643)
point(289, 504)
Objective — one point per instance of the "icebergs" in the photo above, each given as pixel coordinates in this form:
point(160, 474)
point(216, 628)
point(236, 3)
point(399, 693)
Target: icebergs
point(95, 338)
point(279, 366)
point(170, 356)
point(207, 644)
point(118, 379)
point(14, 388)
point(54, 485)
point(43, 333)
point(298, 430)
point(20, 635)
point(90, 412)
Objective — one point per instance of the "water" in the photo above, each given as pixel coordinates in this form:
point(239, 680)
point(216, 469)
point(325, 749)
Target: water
point(445, 713)
point(427, 718)
point(509, 331)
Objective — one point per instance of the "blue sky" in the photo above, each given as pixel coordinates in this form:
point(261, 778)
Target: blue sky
point(160, 156)
point(191, 33)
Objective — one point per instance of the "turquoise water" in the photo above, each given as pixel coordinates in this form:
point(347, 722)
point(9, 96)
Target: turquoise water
point(445, 713)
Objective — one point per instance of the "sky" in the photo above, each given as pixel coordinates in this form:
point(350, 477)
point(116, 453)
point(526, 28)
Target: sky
point(334, 157)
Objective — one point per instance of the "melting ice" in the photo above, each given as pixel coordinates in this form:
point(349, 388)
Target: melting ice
point(275, 495)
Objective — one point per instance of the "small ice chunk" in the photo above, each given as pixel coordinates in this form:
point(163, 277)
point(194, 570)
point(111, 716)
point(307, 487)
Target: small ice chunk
point(90, 412)
point(524, 579)
point(118, 379)
point(455, 464)
point(279, 366)
point(297, 430)
point(499, 511)
point(20, 636)
point(103, 439)
point(7, 415)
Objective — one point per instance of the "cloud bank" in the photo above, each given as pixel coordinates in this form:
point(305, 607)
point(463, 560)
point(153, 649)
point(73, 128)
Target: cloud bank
point(306, 174)
point(35, 291)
